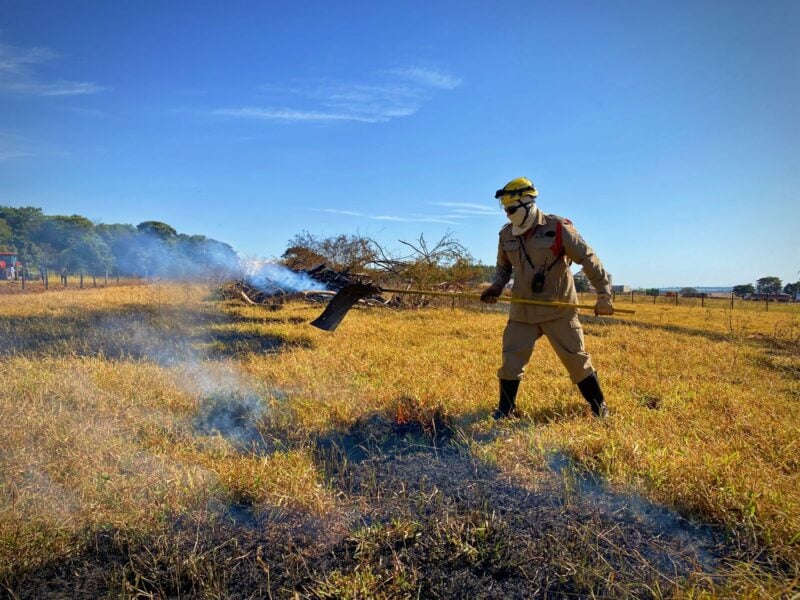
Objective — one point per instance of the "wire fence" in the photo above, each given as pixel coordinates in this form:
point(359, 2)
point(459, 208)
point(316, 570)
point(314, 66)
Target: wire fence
point(728, 301)
point(44, 280)
point(24, 280)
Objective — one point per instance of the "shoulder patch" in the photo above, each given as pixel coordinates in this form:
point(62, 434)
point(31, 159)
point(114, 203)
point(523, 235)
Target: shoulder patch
point(504, 227)
point(563, 220)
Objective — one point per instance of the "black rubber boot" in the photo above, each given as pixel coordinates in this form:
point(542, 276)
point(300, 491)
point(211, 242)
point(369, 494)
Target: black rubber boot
point(508, 399)
point(590, 388)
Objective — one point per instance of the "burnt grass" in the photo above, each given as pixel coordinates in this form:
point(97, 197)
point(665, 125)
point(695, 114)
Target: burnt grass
point(417, 516)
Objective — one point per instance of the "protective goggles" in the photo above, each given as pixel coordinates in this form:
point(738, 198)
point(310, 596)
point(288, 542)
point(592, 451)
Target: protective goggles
point(500, 193)
point(510, 210)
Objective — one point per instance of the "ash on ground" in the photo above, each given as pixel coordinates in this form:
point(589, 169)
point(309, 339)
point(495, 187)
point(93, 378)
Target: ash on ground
point(235, 416)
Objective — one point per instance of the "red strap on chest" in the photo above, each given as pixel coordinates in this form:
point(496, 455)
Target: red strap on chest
point(558, 244)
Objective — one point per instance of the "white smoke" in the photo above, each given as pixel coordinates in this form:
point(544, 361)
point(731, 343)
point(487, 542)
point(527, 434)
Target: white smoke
point(270, 277)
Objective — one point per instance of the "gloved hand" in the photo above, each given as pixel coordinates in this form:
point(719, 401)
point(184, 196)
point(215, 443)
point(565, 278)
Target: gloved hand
point(604, 306)
point(490, 294)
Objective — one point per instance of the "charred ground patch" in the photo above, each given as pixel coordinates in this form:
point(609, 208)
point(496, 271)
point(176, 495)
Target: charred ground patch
point(445, 525)
point(229, 551)
point(433, 520)
point(403, 428)
point(242, 418)
point(417, 516)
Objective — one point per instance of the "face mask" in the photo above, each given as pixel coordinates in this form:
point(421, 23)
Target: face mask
point(518, 217)
point(523, 219)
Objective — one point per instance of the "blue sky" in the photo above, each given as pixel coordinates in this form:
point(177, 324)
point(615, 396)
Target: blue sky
point(666, 131)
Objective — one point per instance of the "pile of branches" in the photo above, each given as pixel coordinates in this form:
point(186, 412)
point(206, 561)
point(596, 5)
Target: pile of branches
point(270, 293)
point(334, 280)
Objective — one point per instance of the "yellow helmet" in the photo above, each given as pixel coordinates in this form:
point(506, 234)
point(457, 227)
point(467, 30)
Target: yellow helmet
point(515, 190)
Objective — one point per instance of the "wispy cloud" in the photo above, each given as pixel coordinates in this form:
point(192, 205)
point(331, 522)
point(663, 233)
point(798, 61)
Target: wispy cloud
point(20, 74)
point(9, 153)
point(390, 95)
point(428, 77)
point(392, 218)
point(469, 209)
point(14, 146)
point(288, 114)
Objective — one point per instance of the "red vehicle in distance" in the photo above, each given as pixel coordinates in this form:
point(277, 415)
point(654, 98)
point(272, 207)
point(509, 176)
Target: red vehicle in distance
point(9, 260)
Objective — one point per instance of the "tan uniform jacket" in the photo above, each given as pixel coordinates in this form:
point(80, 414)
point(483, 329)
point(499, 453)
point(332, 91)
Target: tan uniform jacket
point(551, 256)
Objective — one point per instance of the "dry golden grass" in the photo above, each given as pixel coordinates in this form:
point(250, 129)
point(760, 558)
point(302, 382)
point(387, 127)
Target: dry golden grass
point(103, 389)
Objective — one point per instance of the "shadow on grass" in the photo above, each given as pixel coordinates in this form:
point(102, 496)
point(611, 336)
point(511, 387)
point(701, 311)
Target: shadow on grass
point(164, 335)
point(428, 507)
point(417, 516)
point(759, 340)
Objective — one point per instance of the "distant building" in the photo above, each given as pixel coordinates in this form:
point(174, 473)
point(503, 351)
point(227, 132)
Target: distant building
point(621, 289)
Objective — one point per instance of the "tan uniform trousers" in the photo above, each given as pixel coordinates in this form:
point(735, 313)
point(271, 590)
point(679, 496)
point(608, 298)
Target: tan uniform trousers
point(566, 337)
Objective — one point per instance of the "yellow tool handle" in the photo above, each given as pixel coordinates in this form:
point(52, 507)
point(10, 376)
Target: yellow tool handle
point(506, 299)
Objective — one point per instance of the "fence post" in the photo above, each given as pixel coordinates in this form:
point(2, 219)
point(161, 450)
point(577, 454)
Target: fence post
point(64, 277)
point(81, 276)
point(631, 296)
point(676, 298)
point(47, 279)
point(654, 298)
point(23, 278)
point(767, 301)
point(94, 280)
point(702, 300)
point(105, 284)
point(731, 300)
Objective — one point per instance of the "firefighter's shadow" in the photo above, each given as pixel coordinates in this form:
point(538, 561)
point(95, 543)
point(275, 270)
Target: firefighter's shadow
point(406, 463)
point(139, 332)
point(432, 475)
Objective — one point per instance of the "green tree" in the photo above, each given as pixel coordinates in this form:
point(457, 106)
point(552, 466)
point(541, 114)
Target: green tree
point(792, 288)
point(123, 240)
point(5, 235)
point(582, 282)
point(88, 253)
point(24, 222)
point(197, 256)
point(158, 229)
point(769, 285)
point(57, 233)
point(743, 289)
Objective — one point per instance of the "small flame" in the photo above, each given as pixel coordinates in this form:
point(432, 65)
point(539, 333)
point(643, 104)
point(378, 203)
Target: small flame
point(401, 418)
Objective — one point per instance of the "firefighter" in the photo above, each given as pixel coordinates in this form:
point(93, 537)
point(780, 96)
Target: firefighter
point(539, 249)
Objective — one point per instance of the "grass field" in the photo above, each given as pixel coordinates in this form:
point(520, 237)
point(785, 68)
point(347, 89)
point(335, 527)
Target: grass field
point(160, 443)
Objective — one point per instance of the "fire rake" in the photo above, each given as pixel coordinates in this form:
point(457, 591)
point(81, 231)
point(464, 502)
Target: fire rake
point(343, 301)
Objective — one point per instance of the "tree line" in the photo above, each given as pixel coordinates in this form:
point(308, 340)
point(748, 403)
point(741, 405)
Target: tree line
point(76, 244)
point(767, 285)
